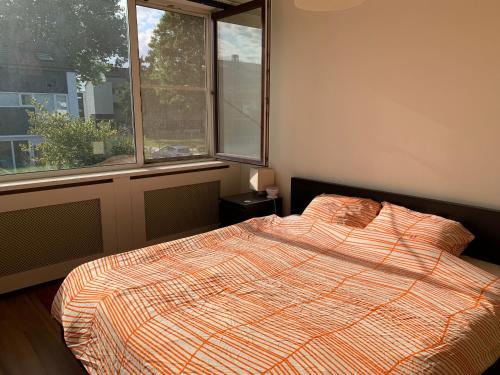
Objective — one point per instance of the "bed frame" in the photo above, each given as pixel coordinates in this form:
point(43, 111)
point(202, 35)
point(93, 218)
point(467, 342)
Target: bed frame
point(482, 222)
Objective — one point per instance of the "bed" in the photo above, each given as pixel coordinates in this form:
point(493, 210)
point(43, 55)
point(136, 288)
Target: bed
point(287, 295)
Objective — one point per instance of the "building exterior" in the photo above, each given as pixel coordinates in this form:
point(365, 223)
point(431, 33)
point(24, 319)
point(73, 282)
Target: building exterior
point(28, 75)
point(41, 76)
point(102, 101)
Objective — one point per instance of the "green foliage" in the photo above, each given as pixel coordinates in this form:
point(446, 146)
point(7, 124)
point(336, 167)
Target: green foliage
point(123, 107)
point(123, 145)
point(69, 141)
point(83, 35)
point(175, 64)
point(173, 77)
point(177, 51)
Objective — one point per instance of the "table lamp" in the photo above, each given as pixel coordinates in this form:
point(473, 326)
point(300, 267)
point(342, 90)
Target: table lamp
point(261, 178)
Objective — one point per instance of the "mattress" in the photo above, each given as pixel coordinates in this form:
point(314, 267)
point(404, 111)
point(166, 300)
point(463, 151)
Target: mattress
point(282, 295)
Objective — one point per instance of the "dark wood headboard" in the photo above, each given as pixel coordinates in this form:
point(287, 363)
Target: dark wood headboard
point(482, 222)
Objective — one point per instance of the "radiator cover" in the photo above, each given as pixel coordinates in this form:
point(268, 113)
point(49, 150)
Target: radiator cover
point(38, 237)
point(181, 209)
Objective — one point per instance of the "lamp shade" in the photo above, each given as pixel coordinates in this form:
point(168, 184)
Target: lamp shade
point(327, 5)
point(261, 178)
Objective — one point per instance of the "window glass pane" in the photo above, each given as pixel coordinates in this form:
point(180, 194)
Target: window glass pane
point(62, 103)
point(9, 99)
point(27, 99)
point(65, 66)
point(45, 100)
point(239, 48)
point(172, 54)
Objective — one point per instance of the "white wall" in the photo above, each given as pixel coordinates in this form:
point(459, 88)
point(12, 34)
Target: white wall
point(402, 95)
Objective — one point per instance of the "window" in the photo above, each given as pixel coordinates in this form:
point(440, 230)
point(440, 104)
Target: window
point(49, 55)
point(66, 102)
point(42, 102)
point(27, 100)
point(174, 91)
point(61, 103)
point(241, 81)
point(9, 99)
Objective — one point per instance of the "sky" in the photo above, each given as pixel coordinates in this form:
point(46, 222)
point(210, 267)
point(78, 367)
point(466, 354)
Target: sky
point(240, 40)
point(147, 19)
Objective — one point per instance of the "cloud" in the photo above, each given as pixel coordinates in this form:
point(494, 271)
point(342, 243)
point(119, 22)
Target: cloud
point(147, 19)
point(244, 41)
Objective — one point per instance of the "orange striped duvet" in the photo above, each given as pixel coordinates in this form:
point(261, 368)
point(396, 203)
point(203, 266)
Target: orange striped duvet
point(282, 296)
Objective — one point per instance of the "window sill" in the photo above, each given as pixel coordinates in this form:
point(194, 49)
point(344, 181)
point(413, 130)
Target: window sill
point(124, 173)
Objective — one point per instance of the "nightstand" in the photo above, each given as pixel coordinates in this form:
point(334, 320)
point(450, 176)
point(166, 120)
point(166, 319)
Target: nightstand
point(241, 207)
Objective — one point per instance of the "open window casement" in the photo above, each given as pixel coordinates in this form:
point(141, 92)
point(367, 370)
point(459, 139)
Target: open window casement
point(241, 82)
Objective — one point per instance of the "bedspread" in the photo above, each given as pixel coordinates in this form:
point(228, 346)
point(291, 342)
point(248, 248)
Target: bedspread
point(274, 295)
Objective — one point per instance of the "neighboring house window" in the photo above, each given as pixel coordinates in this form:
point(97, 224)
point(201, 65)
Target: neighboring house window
point(9, 99)
point(61, 103)
point(43, 102)
point(66, 74)
point(27, 100)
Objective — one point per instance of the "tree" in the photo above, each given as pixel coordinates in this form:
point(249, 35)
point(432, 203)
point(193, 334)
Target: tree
point(123, 108)
point(71, 142)
point(177, 51)
point(91, 34)
point(174, 72)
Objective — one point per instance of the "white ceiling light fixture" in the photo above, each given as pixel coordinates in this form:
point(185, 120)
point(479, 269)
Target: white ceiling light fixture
point(327, 5)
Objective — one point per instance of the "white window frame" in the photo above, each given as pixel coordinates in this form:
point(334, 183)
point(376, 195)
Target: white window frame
point(179, 6)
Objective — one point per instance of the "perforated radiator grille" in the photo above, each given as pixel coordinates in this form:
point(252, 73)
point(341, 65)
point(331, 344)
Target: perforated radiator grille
point(181, 209)
point(37, 237)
